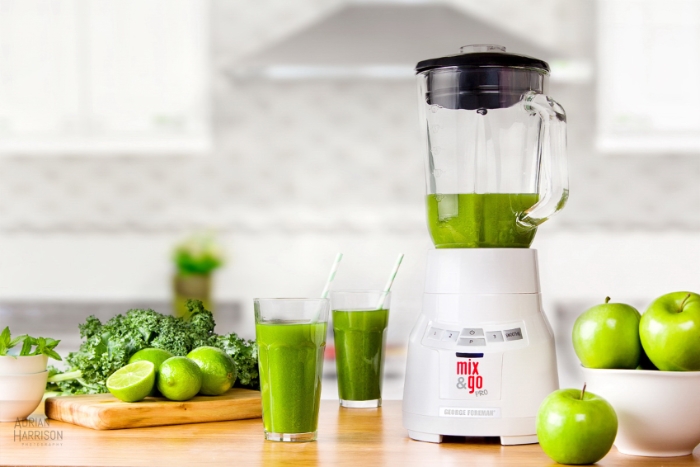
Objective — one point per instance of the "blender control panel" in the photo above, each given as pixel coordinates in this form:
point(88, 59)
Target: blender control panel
point(448, 337)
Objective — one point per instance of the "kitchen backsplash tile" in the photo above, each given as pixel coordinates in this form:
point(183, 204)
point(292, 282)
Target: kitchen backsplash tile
point(326, 155)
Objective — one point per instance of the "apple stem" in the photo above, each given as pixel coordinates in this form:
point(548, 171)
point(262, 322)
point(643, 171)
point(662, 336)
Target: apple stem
point(607, 299)
point(583, 391)
point(680, 308)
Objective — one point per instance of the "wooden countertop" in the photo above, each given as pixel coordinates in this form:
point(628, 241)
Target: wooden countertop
point(347, 437)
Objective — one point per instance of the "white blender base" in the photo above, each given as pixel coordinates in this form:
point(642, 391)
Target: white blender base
point(505, 440)
point(427, 437)
point(481, 355)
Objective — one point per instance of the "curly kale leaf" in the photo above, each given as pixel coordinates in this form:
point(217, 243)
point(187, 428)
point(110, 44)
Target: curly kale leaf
point(201, 324)
point(90, 327)
point(99, 357)
point(245, 355)
point(173, 337)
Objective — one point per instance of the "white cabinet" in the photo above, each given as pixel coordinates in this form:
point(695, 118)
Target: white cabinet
point(649, 63)
point(101, 76)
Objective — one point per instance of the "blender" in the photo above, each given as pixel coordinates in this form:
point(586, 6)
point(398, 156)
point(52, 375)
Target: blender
point(481, 356)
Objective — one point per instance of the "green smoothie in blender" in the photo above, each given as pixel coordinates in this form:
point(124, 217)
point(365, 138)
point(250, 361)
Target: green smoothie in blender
point(479, 220)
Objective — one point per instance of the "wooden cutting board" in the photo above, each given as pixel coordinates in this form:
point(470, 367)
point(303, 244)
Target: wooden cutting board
point(106, 412)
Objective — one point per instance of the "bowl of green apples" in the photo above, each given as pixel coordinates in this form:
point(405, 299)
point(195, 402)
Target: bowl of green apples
point(647, 366)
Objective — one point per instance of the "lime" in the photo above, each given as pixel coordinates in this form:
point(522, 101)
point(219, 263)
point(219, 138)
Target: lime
point(218, 370)
point(179, 379)
point(155, 356)
point(132, 382)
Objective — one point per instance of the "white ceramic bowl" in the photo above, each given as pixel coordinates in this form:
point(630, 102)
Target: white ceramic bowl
point(658, 411)
point(20, 395)
point(23, 365)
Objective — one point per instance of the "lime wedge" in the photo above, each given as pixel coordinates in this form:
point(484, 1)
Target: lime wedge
point(132, 382)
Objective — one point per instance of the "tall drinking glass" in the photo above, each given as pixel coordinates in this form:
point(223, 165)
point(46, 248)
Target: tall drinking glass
point(291, 336)
point(360, 319)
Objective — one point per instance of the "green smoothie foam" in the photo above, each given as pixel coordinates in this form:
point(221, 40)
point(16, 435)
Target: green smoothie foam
point(291, 362)
point(359, 352)
point(475, 220)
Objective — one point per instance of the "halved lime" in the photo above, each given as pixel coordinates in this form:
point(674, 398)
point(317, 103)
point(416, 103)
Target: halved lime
point(218, 370)
point(155, 356)
point(132, 382)
point(179, 379)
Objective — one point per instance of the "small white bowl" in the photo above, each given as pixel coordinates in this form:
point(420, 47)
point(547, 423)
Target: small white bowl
point(20, 395)
point(657, 411)
point(10, 365)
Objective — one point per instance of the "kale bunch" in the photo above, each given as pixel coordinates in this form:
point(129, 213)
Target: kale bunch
point(108, 347)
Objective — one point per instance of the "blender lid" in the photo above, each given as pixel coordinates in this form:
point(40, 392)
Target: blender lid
point(483, 55)
point(481, 77)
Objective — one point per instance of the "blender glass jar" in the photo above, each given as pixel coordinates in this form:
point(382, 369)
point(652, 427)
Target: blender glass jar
point(496, 148)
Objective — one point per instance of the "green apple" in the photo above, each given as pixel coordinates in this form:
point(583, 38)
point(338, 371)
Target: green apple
point(607, 336)
point(670, 332)
point(576, 427)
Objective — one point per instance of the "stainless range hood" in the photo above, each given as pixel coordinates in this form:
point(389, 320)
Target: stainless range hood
point(378, 40)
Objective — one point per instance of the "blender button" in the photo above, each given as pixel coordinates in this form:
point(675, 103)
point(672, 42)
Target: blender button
point(450, 336)
point(435, 333)
point(471, 342)
point(494, 336)
point(513, 334)
point(472, 332)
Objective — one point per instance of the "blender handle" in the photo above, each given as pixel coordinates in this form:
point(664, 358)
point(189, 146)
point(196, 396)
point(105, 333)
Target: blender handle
point(553, 181)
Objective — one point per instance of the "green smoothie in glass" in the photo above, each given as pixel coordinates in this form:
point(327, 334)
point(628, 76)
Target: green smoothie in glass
point(360, 336)
point(291, 362)
point(359, 333)
point(476, 220)
point(291, 338)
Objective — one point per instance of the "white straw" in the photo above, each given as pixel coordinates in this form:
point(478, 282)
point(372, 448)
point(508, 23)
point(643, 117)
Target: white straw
point(331, 276)
point(387, 287)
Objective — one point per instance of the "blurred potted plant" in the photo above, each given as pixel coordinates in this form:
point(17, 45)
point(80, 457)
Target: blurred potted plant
point(196, 258)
